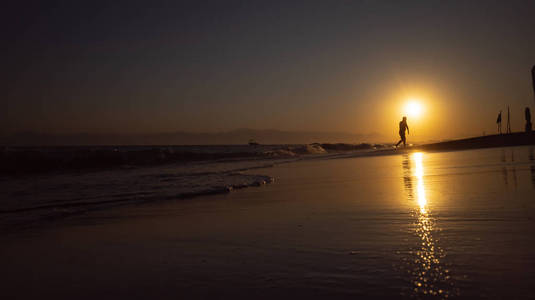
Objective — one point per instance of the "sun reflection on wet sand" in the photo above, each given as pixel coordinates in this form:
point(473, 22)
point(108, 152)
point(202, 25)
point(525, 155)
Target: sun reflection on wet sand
point(419, 174)
point(428, 274)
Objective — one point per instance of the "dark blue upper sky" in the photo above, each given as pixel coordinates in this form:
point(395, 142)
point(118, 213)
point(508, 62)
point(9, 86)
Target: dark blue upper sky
point(152, 66)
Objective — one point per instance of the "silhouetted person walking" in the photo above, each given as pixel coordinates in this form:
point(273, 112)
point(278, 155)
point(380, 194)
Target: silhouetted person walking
point(402, 127)
point(499, 122)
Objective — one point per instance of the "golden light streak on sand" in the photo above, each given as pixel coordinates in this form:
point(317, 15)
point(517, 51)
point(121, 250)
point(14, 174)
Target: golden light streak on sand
point(419, 174)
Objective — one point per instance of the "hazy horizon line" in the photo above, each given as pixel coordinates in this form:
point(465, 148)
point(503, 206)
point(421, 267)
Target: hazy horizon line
point(239, 129)
point(234, 136)
point(238, 136)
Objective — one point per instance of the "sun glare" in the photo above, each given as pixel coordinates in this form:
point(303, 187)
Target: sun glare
point(413, 108)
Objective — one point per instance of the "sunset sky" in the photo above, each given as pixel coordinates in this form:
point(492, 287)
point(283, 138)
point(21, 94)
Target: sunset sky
point(207, 66)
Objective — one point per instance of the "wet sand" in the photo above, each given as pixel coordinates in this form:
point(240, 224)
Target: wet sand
point(426, 225)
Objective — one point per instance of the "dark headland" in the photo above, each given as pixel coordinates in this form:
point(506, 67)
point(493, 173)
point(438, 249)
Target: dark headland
point(488, 141)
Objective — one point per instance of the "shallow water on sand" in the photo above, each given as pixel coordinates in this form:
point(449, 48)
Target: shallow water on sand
point(420, 225)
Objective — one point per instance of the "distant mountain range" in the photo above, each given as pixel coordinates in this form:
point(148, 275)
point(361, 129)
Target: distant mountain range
point(238, 136)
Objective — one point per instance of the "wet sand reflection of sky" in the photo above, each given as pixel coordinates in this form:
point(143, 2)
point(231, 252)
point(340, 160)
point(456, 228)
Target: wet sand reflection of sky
point(428, 274)
point(532, 167)
point(509, 167)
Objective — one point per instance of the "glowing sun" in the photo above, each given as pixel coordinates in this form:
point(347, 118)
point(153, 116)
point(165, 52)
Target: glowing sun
point(413, 108)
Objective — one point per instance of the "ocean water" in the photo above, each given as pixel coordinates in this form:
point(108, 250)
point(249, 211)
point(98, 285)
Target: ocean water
point(421, 225)
point(30, 199)
point(48, 182)
point(16, 161)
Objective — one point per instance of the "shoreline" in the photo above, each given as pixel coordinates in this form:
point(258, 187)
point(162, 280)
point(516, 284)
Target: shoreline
point(480, 142)
point(223, 180)
point(327, 229)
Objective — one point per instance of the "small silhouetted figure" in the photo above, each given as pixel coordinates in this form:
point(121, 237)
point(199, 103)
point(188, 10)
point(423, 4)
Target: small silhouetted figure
point(528, 119)
point(499, 122)
point(402, 127)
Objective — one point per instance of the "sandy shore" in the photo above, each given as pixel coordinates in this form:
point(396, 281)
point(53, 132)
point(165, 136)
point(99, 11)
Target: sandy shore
point(345, 228)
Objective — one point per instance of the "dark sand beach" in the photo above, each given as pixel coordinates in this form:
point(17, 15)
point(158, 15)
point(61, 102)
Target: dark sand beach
point(417, 225)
